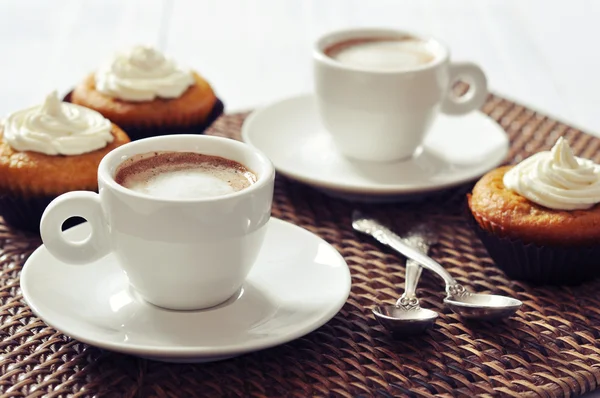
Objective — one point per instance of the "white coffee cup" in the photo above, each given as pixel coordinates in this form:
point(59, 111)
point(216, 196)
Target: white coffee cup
point(384, 115)
point(179, 254)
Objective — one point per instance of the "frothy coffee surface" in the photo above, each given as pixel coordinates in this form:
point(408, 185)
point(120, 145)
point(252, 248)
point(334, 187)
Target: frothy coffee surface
point(380, 53)
point(183, 175)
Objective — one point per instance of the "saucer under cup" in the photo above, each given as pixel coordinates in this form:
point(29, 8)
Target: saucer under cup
point(458, 149)
point(299, 282)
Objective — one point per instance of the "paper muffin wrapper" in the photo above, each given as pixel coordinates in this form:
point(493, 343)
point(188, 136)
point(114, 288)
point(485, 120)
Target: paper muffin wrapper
point(536, 264)
point(179, 126)
point(25, 213)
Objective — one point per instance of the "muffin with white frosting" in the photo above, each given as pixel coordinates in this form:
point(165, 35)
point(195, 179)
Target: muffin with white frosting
point(540, 219)
point(47, 150)
point(147, 94)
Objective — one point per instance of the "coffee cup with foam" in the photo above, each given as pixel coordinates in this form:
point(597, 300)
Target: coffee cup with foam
point(379, 90)
point(184, 215)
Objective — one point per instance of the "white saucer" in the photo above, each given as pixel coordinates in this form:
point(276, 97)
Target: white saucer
point(457, 150)
point(298, 283)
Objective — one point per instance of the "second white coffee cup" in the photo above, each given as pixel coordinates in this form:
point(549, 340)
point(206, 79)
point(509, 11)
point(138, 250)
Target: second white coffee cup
point(379, 90)
point(177, 253)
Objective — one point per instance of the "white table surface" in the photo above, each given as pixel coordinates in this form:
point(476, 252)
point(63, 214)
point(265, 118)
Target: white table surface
point(539, 52)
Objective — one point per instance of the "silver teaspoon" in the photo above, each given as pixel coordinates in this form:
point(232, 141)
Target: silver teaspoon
point(407, 316)
point(466, 304)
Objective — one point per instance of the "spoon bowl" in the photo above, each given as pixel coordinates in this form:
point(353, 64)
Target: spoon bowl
point(407, 317)
point(400, 321)
point(483, 306)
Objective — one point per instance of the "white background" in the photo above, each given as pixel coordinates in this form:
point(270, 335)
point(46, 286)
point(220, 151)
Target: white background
point(542, 53)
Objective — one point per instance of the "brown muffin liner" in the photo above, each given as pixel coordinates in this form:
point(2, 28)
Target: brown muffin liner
point(25, 213)
point(139, 132)
point(540, 265)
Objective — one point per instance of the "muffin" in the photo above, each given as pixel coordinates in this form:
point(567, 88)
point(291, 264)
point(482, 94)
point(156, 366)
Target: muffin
point(147, 94)
point(540, 219)
point(48, 150)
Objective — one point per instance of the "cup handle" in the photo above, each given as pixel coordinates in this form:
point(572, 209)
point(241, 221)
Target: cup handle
point(83, 204)
point(474, 97)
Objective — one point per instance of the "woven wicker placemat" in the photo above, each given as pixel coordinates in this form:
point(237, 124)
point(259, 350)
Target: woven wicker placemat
point(551, 348)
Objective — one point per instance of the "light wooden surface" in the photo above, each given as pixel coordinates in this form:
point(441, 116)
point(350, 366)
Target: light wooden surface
point(538, 52)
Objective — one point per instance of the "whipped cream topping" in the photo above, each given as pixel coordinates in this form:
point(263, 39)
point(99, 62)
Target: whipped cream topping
point(556, 179)
point(57, 128)
point(142, 74)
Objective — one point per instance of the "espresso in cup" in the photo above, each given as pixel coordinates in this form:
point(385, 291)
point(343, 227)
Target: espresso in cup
point(381, 53)
point(183, 175)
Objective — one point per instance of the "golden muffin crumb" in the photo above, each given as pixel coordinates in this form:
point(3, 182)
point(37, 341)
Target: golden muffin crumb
point(508, 214)
point(30, 173)
point(191, 108)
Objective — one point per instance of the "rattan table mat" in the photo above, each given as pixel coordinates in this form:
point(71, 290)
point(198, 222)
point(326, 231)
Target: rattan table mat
point(551, 348)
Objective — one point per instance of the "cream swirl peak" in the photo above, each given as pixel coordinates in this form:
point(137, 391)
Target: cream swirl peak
point(142, 74)
point(57, 128)
point(556, 179)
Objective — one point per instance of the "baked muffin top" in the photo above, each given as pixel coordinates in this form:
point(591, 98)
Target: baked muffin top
point(26, 173)
point(54, 148)
point(192, 107)
point(549, 198)
point(143, 88)
point(514, 216)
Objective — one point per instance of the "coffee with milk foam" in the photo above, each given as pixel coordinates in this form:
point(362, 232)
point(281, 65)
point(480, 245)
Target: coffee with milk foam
point(183, 175)
point(382, 53)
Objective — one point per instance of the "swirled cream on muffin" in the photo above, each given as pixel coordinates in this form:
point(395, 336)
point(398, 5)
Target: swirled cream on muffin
point(57, 128)
point(556, 179)
point(142, 74)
